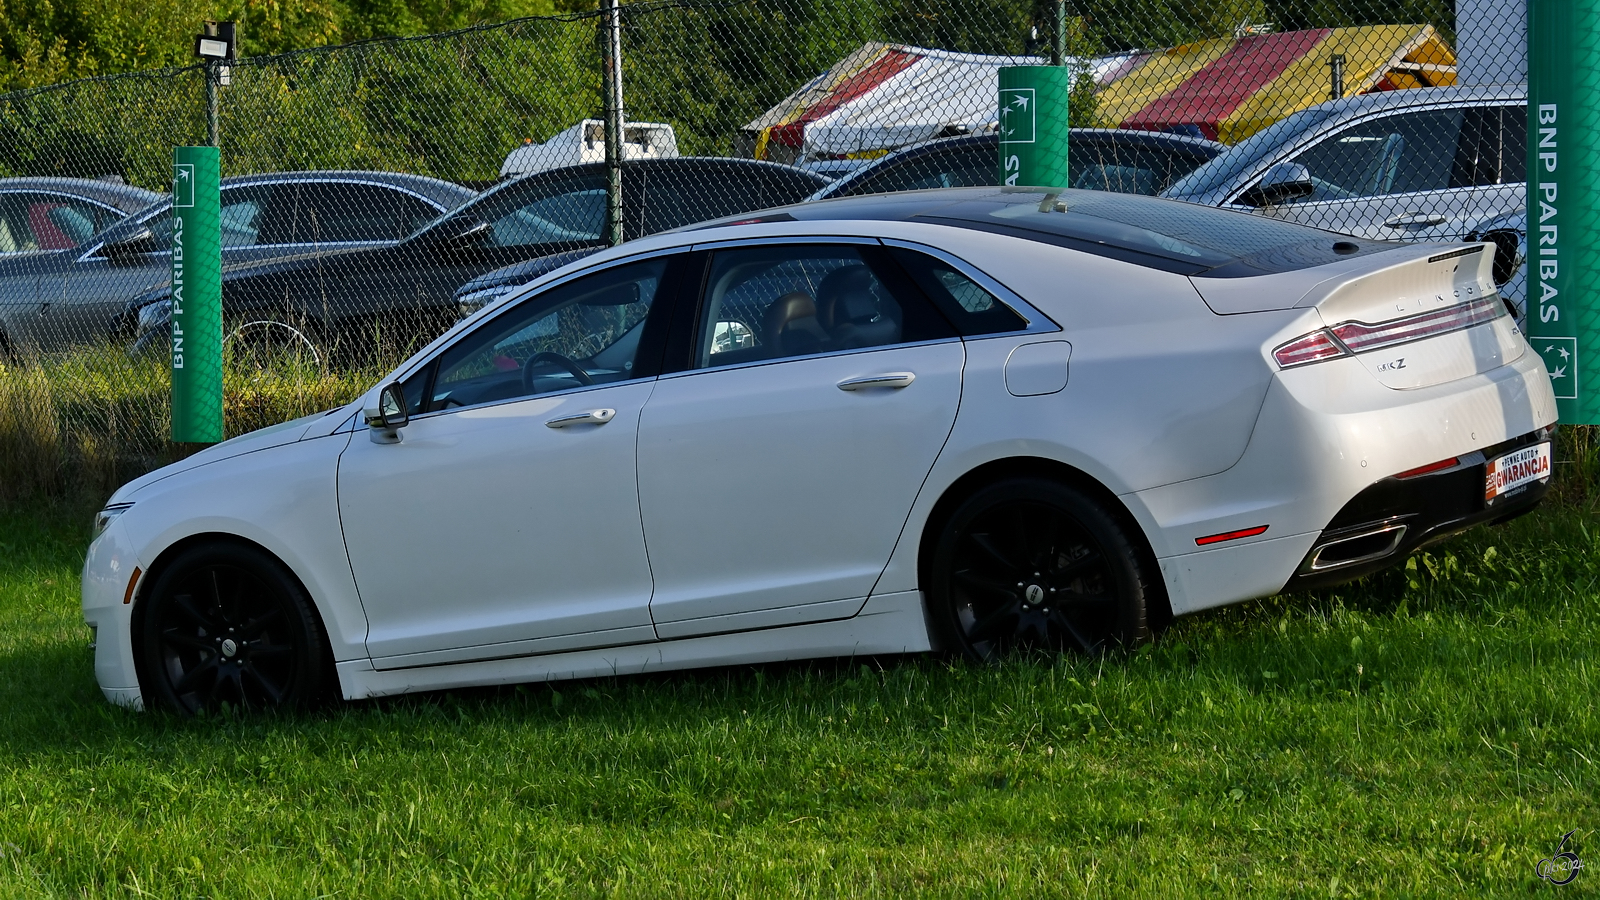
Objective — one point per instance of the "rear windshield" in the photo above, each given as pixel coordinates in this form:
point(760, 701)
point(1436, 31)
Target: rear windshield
point(1173, 236)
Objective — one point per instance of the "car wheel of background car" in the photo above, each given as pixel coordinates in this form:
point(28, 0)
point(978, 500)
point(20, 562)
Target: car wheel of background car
point(556, 358)
point(1030, 563)
point(265, 343)
point(227, 624)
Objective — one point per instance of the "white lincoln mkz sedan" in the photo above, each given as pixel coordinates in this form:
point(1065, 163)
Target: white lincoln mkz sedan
point(969, 419)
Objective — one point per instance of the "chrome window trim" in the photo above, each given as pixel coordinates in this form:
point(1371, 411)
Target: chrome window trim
point(785, 239)
point(830, 353)
point(70, 196)
point(1231, 195)
point(1038, 322)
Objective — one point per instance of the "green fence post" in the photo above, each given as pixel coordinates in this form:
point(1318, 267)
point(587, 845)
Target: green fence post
point(1564, 200)
point(1033, 125)
point(196, 295)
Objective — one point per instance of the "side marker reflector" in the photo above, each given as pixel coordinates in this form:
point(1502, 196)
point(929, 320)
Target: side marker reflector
point(1230, 535)
point(127, 596)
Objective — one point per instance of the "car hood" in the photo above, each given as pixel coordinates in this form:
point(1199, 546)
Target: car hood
point(263, 439)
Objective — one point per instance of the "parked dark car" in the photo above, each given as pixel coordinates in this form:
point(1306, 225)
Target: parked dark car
point(1099, 159)
point(50, 300)
point(409, 288)
point(54, 214)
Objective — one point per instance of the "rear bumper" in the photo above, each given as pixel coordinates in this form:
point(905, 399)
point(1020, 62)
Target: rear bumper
point(1393, 518)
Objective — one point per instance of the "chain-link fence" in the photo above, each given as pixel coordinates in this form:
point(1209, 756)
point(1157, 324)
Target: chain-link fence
point(375, 192)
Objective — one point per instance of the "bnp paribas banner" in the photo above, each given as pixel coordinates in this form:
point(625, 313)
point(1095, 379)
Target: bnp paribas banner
point(196, 296)
point(1033, 125)
point(1564, 200)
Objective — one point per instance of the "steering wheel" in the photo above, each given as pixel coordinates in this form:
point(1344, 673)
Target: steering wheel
point(562, 361)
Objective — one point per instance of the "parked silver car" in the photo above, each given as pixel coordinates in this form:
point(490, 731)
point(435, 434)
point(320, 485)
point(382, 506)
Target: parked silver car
point(1415, 165)
point(49, 300)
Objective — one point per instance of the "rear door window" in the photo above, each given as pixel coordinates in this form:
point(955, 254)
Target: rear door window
point(789, 300)
point(1402, 153)
point(336, 212)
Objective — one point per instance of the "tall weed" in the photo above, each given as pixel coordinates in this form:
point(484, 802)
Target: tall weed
point(79, 424)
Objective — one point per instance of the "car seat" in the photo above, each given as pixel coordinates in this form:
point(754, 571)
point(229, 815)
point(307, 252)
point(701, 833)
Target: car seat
point(73, 224)
point(849, 310)
point(45, 232)
point(791, 326)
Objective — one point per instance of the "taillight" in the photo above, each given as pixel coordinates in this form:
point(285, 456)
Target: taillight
point(1314, 347)
point(1347, 338)
point(1361, 337)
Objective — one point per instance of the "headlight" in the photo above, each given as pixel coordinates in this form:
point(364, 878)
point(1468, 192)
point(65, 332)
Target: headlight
point(154, 315)
point(104, 518)
point(471, 303)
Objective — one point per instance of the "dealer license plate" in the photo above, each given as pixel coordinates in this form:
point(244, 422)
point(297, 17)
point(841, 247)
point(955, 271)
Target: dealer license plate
point(1516, 469)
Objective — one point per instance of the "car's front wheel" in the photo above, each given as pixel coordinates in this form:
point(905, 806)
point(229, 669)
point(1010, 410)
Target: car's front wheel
point(226, 624)
point(1032, 563)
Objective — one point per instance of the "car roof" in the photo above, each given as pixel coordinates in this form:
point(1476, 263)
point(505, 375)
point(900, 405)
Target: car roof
point(446, 194)
point(123, 197)
point(646, 166)
point(1188, 144)
point(1169, 235)
point(667, 164)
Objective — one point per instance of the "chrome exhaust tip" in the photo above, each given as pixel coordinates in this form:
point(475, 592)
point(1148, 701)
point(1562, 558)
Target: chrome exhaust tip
point(1362, 546)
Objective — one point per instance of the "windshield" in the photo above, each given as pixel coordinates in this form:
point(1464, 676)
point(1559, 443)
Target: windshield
point(568, 208)
point(1245, 156)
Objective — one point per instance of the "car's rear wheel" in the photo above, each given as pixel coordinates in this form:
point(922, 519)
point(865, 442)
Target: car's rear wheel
point(1032, 563)
point(226, 625)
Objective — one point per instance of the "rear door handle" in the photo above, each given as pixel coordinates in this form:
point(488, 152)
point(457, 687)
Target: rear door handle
point(592, 417)
point(894, 380)
point(1415, 220)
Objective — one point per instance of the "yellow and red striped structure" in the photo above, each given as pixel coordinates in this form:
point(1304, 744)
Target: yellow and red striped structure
point(884, 96)
point(1230, 88)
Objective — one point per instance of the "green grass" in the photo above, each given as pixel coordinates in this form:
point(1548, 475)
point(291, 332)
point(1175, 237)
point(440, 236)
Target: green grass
point(1430, 732)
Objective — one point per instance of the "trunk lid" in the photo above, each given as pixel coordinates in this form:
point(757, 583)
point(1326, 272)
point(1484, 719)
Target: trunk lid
point(1414, 316)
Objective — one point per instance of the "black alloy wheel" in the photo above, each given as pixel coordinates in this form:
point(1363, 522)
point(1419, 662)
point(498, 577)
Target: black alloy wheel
point(226, 624)
point(1030, 563)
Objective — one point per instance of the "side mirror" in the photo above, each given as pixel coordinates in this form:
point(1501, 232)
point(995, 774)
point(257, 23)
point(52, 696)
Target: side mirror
point(1282, 183)
point(384, 422)
point(130, 248)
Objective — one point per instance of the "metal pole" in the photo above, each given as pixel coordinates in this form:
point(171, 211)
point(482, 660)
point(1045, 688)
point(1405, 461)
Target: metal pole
point(1058, 53)
point(612, 60)
point(213, 124)
point(1336, 76)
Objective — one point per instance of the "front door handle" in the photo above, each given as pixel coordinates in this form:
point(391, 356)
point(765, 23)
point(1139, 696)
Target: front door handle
point(1415, 220)
point(592, 417)
point(895, 380)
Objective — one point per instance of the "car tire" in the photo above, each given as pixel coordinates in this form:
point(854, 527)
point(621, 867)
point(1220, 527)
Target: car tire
point(1029, 563)
point(226, 625)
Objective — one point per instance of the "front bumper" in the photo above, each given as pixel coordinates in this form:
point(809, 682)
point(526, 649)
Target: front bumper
point(1393, 518)
point(108, 609)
